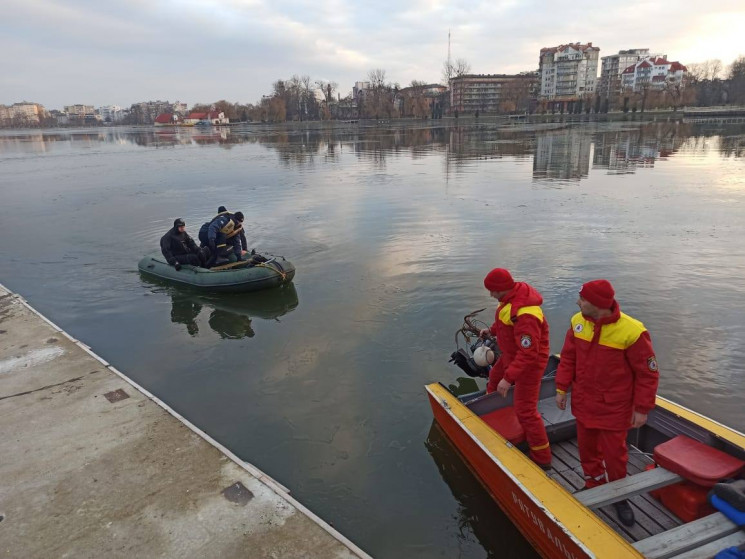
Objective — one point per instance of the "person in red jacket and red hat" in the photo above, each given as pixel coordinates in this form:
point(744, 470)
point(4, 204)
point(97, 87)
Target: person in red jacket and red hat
point(522, 334)
point(610, 365)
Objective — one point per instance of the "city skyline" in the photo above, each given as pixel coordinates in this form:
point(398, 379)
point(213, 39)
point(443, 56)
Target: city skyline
point(67, 52)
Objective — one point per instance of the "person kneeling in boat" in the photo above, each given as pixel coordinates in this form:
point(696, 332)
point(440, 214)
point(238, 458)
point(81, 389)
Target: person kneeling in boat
point(237, 239)
point(214, 235)
point(522, 335)
point(179, 248)
point(609, 363)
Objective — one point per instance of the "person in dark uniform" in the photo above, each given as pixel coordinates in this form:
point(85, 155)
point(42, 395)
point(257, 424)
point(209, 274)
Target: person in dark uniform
point(215, 235)
point(179, 248)
point(238, 237)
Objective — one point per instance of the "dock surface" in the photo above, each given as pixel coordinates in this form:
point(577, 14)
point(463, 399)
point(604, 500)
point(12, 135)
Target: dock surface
point(92, 465)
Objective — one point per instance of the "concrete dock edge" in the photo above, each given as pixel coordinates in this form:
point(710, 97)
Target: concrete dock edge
point(332, 544)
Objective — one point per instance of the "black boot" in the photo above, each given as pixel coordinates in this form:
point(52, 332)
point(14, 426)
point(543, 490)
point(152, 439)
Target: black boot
point(624, 512)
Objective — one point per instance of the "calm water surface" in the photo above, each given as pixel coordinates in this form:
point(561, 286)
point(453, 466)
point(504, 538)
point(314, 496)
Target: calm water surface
point(392, 231)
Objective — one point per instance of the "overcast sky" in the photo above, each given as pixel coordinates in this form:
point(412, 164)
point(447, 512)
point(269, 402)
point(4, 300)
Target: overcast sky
point(101, 52)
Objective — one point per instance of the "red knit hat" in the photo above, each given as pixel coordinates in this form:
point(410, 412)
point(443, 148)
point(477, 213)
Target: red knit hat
point(499, 279)
point(599, 293)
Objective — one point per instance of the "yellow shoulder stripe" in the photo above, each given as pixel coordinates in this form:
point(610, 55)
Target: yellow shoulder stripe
point(535, 311)
point(621, 334)
point(505, 313)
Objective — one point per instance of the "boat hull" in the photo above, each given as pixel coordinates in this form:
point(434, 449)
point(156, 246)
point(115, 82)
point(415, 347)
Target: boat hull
point(239, 280)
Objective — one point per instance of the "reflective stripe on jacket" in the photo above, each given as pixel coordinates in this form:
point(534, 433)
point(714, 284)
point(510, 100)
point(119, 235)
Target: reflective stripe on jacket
point(611, 367)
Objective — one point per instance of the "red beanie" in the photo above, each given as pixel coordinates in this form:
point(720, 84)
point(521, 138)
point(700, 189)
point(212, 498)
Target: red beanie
point(599, 293)
point(499, 279)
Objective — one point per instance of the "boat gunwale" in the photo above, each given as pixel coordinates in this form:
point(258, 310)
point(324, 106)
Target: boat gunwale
point(714, 427)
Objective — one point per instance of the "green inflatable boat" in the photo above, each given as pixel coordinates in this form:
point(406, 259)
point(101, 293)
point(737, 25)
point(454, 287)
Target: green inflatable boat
point(231, 278)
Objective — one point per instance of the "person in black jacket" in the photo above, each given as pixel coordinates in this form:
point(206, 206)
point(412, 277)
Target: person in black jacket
point(179, 248)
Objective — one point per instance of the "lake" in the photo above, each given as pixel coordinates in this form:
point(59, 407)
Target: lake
point(392, 230)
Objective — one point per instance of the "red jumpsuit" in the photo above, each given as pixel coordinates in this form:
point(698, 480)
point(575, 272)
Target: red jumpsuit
point(612, 370)
point(522, 335)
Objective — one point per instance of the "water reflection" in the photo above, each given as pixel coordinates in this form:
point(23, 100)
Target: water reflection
point(230, 316)
point(562, 155)
point(478, 514)
point(623, 151)
point(559, 151)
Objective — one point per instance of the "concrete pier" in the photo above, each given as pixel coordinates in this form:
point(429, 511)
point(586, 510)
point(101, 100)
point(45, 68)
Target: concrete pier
point(92, 465)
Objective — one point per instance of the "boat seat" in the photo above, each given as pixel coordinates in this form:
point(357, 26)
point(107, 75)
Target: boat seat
point(627, 487)
point(504, 421)
point(696, 461)
point(686, 537)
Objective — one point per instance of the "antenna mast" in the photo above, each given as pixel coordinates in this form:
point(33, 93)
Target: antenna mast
point(450, 68)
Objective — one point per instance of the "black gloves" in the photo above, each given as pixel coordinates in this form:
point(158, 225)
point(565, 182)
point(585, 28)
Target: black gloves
point(177, 266)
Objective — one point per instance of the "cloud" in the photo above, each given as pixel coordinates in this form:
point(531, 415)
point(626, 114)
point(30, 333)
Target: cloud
point(84, 51)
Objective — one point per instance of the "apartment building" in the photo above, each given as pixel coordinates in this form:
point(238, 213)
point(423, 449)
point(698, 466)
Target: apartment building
point(80, 111)
point(22, 114)
point(360, 89)
point(568, 73)
point(612, 67)
point(652, 73)
point(493, 93)
point(111, 113)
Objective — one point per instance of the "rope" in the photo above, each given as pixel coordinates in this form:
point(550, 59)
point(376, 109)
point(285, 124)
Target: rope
point(281, 272)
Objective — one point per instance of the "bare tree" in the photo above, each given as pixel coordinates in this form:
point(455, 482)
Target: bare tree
point(328, 89)
point(447, 72)
point(677, 92)
point(737, 80)
point(455, 69)
point(461, 67)
point(716, 68)
point(702, 71)
point(379, 101)
point(376, 78)
point(415, 102)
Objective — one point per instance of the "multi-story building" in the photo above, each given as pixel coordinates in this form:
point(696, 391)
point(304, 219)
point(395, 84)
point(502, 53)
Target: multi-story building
point(612, 67)
point(568, 73)
point(652, 73)
point(111, 113)
point(493, 93)
point(80, 111)
point(22, 114)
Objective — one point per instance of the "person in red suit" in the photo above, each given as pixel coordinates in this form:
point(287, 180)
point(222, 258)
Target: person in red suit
point(522, 335)
point(610, 365)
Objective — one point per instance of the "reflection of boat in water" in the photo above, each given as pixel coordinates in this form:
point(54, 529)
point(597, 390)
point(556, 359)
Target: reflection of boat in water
point(231, 317)
point(674, 459)
point(477, 511)
point(239, 277)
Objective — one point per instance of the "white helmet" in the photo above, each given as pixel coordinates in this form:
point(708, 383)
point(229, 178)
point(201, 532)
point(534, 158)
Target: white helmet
point(483, 356)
